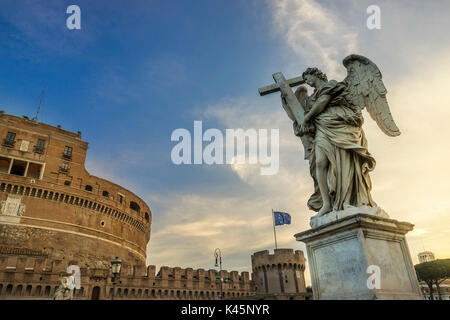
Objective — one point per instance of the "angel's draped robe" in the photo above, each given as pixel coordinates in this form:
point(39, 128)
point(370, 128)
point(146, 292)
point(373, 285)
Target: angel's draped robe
point(339, 134)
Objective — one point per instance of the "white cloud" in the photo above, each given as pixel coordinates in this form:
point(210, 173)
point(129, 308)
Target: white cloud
point(313, 33)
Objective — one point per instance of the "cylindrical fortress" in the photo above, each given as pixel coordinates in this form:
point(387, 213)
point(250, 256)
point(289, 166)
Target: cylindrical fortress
point(51, 204)
point(281, 272)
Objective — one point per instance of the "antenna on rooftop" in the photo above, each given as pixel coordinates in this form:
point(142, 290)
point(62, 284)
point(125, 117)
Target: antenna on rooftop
point(39, 106)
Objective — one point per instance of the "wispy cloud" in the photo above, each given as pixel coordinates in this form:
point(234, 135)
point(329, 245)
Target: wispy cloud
point(314, 34)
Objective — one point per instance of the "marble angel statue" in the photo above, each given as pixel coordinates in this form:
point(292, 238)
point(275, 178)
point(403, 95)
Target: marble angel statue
point(330, 128)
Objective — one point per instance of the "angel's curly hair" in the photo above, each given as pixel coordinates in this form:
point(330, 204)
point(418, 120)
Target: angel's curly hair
point(316, 72)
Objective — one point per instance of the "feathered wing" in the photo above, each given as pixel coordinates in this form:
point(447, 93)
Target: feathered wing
point(367, 90)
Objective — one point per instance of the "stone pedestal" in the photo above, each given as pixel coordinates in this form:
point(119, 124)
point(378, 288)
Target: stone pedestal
point(344, 253)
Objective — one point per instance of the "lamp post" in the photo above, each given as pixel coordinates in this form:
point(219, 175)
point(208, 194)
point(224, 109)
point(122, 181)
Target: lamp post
point(220, 280)
point(116, 265)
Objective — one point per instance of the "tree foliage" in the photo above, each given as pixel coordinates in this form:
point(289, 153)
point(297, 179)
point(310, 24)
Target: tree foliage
point(433, 272)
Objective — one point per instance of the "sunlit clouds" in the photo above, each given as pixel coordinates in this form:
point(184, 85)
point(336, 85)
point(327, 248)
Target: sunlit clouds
point(411, 181)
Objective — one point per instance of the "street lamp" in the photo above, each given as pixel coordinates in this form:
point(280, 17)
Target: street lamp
point(221, 281)
point(116, 265)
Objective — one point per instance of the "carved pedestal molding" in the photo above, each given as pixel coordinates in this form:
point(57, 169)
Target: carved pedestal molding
point(361, 256)
point(349, 211)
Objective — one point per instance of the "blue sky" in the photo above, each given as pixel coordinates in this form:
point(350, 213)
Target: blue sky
point(137, 70)
point(133, 73)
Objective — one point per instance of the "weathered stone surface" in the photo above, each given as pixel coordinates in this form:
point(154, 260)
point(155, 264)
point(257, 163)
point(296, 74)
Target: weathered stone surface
point(281, 272)
point(329, 123)
point(341, 251)
point(317, 220)
point(70, 213)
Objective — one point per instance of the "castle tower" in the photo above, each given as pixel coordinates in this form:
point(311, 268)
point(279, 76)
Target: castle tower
point(52, 206)
point(279, 273)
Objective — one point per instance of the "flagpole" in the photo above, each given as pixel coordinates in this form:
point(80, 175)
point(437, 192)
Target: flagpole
point(274, 232)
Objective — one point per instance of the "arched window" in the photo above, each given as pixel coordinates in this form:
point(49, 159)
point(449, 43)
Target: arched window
point(19, 290)
point(9, 288)
point(88, 188)
point(105, 193)
point(134, 206)
point(147, 217)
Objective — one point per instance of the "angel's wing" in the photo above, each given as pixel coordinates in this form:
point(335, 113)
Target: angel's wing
point(367, 90)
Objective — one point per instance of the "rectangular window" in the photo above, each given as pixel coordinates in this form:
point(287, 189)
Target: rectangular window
point(18, 167)
point(10, 139)
point(64, 168)
point(39, 147)
point(67, 152)
point(11, 136)
point(4, 164)
point(34, 170)
point(120, 198)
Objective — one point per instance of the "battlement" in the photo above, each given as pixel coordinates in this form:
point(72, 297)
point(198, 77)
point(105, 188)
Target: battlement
point(279, 257)
point(13, 261)
point(28, 277)
point(177, 273)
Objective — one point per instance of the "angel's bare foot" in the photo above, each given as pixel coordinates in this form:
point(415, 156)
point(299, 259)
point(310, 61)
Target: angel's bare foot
point(325, 209)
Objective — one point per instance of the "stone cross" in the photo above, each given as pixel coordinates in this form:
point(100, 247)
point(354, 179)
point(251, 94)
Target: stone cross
point(284, 86)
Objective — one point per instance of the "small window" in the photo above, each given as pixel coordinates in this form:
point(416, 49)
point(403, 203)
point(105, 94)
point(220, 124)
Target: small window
point(64, 168)
point(105, 193)
point(11, 136)
point(88, 188)
point(147, 217)
point(103, 224)
point(10, 139)
point(67, 152)
point(39, 147)
point(134, 206)
point(67, 183)
point(120, 198)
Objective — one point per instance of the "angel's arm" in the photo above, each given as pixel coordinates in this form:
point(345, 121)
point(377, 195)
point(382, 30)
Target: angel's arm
point(318, 107)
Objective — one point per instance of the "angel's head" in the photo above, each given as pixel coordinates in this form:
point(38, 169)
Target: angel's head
point(312, 75)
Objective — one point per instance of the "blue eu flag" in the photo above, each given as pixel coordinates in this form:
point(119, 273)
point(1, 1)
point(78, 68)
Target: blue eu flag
point(281, 218)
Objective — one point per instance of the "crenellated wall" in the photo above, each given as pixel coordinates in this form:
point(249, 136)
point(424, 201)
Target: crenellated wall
point(37, 277)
